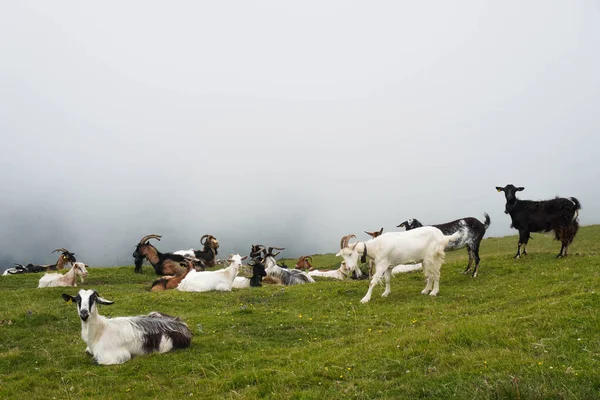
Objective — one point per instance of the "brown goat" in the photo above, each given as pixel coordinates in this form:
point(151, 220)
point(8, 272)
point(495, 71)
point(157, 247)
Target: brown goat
point(373, 234)
point(304, 264)
point(163, 263)
point(171, 282)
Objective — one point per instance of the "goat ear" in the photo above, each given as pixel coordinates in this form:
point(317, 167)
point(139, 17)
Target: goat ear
point(68, 298)
point(381, 231)
point(339, 254)
point(499, 188)
point(520, 188)
point(103, 301)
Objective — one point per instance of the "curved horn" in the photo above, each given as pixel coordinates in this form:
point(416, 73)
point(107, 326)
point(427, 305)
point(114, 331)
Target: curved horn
point(148, 237)
point(62, 250)
point(19, 265)
point(205, 236)
point(275, 248)
point(307, 257)
point(345, 239)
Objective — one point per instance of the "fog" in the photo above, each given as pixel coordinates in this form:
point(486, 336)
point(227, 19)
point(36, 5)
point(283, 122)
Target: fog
point(286, 124)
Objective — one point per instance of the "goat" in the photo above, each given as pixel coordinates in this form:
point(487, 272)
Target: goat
point(373, 234)
point(527, 216)
point(399, 269)
point(64, 259)
point(425, 245)
point(115, 340)
point(258, 272)
point(68, 279)
point(304, 264)
point(207, 256)
point(281, 275)
point(205, 281)
point(341, 273)
point(163, 263)
point(472, 231)
point(171, 282)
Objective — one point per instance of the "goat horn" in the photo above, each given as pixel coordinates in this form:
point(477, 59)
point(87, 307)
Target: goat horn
point(61, 250)
point(19, 265)
point(275, 248)
point(345, 240)
point(307, 257)
point(205, 236)
point(148, 237)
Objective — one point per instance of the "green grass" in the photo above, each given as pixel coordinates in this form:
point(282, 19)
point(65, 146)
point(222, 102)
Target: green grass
point(523, 329)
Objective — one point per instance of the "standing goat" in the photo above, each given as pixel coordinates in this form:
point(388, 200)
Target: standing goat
point(281, 275)
point(116, 340)
point(304, 264)
point(207, 256)
point(425, 245)
point(205, 281)
point(558, 215)
point(163, 263)
point(471, 229)
point(258, 273)
point(68, 279)
point(171, 282)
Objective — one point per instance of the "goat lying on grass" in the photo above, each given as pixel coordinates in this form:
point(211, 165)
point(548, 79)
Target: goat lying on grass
point(558, 215)
point(68, 279)
point(171, 282)
point(304, 264)
point(471, 229)
point(116, 340)
point(221, 280)
point(283, 276)
point(425, 245)
point(65, 259)
point(207, 257)
point(341, 273)
point(258, 273)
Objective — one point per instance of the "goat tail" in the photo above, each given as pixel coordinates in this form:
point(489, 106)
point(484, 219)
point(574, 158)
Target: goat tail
point(487, 222)
point(447, 239)
point(576, 202)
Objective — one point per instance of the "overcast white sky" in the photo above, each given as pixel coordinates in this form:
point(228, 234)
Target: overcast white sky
point(288, 124)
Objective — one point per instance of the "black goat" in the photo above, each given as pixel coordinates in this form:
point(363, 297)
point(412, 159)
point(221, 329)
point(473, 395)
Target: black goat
point(163, 263)
point(472, 231)
point(558, 215)
point(65, 257)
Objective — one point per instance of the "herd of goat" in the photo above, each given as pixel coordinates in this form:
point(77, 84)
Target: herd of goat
point(113, 341)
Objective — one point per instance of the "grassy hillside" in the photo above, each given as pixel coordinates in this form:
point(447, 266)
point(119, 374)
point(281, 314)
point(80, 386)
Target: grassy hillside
point(527, 328)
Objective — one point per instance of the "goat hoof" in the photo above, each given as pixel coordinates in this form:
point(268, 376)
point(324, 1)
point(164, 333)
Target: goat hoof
point(363, 301)
point(424, 291)
point(385, 294)
point(433, 293)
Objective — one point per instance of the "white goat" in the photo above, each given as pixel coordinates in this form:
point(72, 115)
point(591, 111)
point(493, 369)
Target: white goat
point(425, 245)
point(402, 268)
point(68, 279)
point(116, 340)
point(341, 273)
point(205, 281)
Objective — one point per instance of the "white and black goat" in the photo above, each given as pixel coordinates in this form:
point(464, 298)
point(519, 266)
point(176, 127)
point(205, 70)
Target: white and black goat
point(116, 340)
point(258, 273)
point(163, 263)
point(205, 281)
point(283, 276)
point(68, 279)
point(341, 273)
point(558, 215)
point(207, 257)
point(471, 233)
point(425, 245)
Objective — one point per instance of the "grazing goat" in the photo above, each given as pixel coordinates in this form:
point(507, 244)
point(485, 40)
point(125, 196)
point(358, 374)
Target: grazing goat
point(116, 340)
point(207, 257)
point(171, 282)
point(206, 281)
point(304, 264)
point(558, 215)
point(472, 231)
point(163, 263)
point(281, 275)
point(425, 245)
point(341, 273)
point(258, 273)
point(68, 279)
